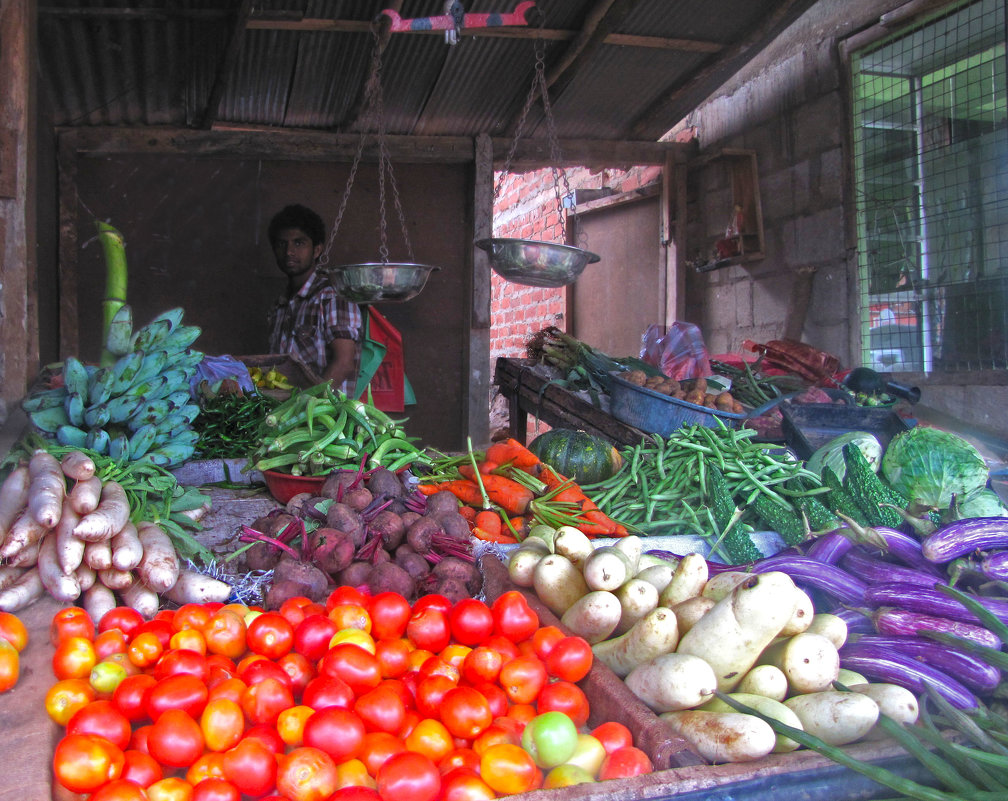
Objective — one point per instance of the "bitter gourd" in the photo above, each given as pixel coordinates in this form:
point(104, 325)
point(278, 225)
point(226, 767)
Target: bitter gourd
point(870, 491)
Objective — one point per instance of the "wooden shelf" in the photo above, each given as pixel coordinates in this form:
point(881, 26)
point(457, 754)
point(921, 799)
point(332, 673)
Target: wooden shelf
point(743, 178)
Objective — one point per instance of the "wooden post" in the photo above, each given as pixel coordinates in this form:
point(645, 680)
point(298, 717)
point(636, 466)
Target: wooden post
point(480, 369)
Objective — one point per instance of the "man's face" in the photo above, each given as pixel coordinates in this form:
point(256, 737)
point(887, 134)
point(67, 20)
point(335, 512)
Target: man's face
point(295, 253)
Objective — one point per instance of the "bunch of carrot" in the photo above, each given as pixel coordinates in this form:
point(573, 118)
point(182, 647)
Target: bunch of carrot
point(506, 489)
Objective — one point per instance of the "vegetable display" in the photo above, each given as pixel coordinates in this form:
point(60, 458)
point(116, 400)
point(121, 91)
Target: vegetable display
point(229, 421)
point(284, 704)
point(580, 456)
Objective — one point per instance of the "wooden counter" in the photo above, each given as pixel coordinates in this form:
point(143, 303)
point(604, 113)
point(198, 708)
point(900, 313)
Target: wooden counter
point(529, 392)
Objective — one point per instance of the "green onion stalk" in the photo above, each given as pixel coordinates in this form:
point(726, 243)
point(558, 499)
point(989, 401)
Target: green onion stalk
point(114, 250)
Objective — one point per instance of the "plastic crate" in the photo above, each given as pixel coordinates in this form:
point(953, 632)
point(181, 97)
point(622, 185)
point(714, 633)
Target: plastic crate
point(661, 414)
point(809, 426)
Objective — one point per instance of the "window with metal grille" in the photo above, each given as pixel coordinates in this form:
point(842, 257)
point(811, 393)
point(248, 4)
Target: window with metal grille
point(931, 180)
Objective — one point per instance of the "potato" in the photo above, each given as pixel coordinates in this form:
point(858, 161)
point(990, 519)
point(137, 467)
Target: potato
point(835, 717)
point(723, 736)
point(673, 681)
point(732, 635)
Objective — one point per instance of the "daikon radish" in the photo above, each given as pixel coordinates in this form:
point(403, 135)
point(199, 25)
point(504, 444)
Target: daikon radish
point(159, 567)
point(723, 736)
point(111, 515)
point(13, 497)
point(126, 548)
point(85, 495)
point(23, 592)
point(69, 547)
point(98, 555)
point(98, 600)
point(77, 465)
point(24, 531)
point(197, 588)
point(142, 598)
point(46, 488)
point(688, 580)
point(654, 634)
point(61, 586)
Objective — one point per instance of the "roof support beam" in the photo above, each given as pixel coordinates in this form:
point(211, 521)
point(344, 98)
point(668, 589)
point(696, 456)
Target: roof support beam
point(227, 62)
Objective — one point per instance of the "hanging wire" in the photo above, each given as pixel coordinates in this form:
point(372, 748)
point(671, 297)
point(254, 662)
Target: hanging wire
point(374, 108)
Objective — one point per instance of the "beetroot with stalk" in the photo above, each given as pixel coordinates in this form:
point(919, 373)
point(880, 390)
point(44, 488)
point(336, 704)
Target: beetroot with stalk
point(390, 577)
point(442, 501)
point(413, 563)
point(389, 526)
point(332, 549)
point(299, 577)
point(383, 483)
point(338, 482)
point(342, 517)
point(358, 498)
point(422, 533)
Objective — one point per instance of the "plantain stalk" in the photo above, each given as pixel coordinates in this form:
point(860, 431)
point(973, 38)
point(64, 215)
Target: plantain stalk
point(114, 250)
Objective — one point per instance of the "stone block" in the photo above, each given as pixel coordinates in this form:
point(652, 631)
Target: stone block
point(814, 238)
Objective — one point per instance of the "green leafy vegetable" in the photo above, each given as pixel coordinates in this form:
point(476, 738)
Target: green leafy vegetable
point(929, 466)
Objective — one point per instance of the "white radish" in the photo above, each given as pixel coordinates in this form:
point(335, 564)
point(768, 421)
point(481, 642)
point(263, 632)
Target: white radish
point(126, 548)
point(765, 706)
point(631, 546)
point(654, 634)
point(98, 600)
point(657, 575)
point(688, 612)
point(159, 567)
point(98, 555)
point(832, 627)
point(765, 680)
point(46, 488)
point(61, 586)
point(809, 661)
point(9, 575)
point(894, 700)
point(24, 532)
point(69, 548)
point(141, 598)
point(197, 588)
point(111, 515)
point(13, 497)
point(802, 617)
point(574, 544)
point(85, 495)
point(721, 584)
point(607, 568)
point(593, 616)
point(23, 592)
point(117, 580)
point(26, 557)
point(77, 465)
point(86, 577)
point(522, 562)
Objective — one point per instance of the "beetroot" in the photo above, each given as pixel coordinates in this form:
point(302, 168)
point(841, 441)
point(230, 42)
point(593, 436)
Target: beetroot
point(422, 533)
point(389, 526)
point(342, 517)
point(390, 577)
point(338, 482)
point(413, 563)
point(383, 483)
point(467, 573)
point(442, 501)
point(310, 581)
point(454, 524)
point(356, 575)
point(358, 498)
point(332, 549)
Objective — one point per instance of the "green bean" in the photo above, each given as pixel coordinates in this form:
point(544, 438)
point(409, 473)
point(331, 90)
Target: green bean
point(928, 731)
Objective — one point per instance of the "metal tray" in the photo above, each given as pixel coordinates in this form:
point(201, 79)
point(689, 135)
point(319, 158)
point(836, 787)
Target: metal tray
point(809, 426)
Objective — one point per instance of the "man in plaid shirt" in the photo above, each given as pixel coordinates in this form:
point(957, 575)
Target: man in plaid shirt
point(311, 321)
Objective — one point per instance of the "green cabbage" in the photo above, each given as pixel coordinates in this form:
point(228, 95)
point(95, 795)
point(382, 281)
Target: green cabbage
point(831, 454)
point(984, 503)
point(929, 466)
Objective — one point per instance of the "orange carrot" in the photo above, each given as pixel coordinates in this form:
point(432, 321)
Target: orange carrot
point(511, 450)
point(489, 522)
point(501, 537)
point(507, 493)
point(465, 490)
point(468, 512)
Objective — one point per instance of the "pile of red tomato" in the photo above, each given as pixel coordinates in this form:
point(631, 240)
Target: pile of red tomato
point(360, 698)
point(13, 639)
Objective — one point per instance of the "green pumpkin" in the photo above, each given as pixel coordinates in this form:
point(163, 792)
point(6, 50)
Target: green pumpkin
point(577, 454)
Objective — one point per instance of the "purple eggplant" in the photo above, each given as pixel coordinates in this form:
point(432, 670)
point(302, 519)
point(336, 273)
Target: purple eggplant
point(829, 548)
point(931, 602)
point(856, 619)
point(910, 673)
point(890, 620)
point(971, 670)
point(875, 570)
point(994, 566)
point(904, 547)
point(831, 579)
point(960, 537)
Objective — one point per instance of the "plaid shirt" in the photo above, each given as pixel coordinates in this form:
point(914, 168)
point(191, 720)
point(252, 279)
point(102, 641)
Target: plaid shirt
point(305, 323)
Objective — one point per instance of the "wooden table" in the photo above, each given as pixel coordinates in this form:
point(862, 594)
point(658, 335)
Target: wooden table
point(529, 392)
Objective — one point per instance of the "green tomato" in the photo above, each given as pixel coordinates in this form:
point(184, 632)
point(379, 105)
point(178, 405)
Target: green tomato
point(106, 675)
point(589, 753)
point(550, 739)
point(565, 775)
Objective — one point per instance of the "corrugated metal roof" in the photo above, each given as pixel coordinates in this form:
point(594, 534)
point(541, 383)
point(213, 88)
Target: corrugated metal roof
point(303, 64)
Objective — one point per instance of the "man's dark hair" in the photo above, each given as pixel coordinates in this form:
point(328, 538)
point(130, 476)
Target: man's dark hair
point(297, 216)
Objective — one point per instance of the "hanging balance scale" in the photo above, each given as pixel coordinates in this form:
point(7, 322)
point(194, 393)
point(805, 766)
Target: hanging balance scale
point(383, 280)
point(526, 261)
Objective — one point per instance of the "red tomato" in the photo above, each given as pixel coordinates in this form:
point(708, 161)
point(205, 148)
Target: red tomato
point(138, 742)
point(172, 788)
point(101, 717)
point(263, 702)
point(376, 747)
point(522, 679)
point(124, 618)
point(465, 712)
point(299, 669)
point(431, 738)
point(119, 790)
point(393, 657)
point(325, 690)
point(65, 697)
point(354, 665)
point(471, 621)
point(180, 691)
point(355, 792)
point(409, 776)
point(232, 688)
point(381, 709)
point(624, 763)
point(270, 634)
point(191, 616)
point(312, 635)
point(509, 769)
point(251, 767)
point(159, 627)
point(256, 670)
point(10, 665)
point(429, 629)
point(175, 739)
point(144, 649)
point(225, 633)
point(207, 765)
point(513, 617)
point(612, 735)
point(430, 692)
point(141, 768)
point(345, 594)
point(570, 658)
point(222, 723)
point(502, 730)
point(432, 600)
point(436, 666)
point(567, 697)
point(268, 736)
point(389, 614)
point(464, 757)
point(306, 774)
point(84, 762)
point(73, 658)
point(71, 621)
point(495, 696)
point(503, 646)
point(544, 638)
point(338, 732)
point(182, 661)
point(465, 784)
point(13, 630)
point(215, 789)
point(296, 609)
point(482, 664)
